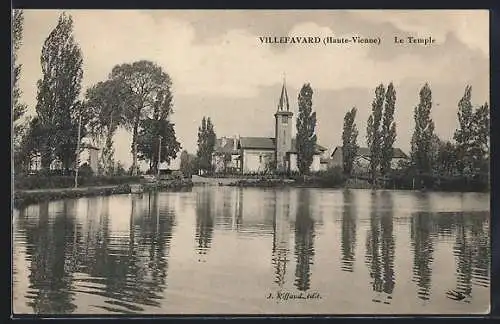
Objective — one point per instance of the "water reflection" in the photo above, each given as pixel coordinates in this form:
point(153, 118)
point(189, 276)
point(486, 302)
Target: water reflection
point(304, 241)
point(348, 231)
point(281, 236)
point(471, 251)
point(67, 258)
point(49, 246)
point(380, 247)
point(423, 248)
point(113, 254)
point(204, 222)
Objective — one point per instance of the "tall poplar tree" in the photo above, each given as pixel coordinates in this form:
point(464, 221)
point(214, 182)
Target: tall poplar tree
point(58, 89)
point(206, 144)
point(306, 124)
point(421, 142)
point(374, 137)
point(388, 130)
point(18, 108)
point(349, 141)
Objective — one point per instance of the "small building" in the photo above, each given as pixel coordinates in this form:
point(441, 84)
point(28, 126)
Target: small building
point(264, 154)
point(362, 160)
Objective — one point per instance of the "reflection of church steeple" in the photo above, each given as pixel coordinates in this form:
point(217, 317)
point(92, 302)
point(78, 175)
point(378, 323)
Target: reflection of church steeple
point(304, 241)
point(281, 236)
point(380, 248)
point(348, 232)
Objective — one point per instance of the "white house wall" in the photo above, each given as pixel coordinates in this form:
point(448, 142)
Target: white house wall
point(252, 161)
point(316, 163)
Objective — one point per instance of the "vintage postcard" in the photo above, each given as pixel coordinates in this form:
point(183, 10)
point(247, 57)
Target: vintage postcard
point(250, 162)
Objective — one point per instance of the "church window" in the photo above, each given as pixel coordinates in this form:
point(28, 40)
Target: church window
point(260, 158)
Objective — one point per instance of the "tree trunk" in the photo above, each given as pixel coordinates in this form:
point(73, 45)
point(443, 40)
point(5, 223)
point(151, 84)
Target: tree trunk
point(46, 158)
point(134, 149)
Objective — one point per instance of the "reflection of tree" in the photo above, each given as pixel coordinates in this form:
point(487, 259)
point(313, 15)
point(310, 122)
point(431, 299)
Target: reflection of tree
point(204, 221)
point(481, 245)
point(48, 245)
point(348, 231)
point(423, 250)
point(462, 249)
point(239, 209)
point(304, 241)
point(472, 253)
point(380, 246)
point(281, 236)
point(133, 270)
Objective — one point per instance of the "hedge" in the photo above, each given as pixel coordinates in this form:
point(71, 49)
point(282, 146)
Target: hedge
point(52, 182)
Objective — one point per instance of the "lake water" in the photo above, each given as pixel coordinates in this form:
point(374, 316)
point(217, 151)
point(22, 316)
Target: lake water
point(254, 251)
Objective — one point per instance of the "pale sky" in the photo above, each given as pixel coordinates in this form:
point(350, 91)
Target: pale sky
point(220, 68)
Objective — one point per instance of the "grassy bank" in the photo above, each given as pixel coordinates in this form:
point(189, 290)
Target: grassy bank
point(33, 196)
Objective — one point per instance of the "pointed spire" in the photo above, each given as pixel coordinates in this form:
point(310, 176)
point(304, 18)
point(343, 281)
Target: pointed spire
point(283, 104)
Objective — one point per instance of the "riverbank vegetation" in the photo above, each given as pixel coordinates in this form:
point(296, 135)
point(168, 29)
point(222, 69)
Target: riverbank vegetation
point(136, 96)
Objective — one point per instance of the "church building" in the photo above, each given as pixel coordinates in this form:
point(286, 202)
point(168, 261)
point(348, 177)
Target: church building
point(249, 155)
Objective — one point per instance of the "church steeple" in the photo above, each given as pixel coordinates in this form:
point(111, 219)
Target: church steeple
point(283, 104)
point(283, 130)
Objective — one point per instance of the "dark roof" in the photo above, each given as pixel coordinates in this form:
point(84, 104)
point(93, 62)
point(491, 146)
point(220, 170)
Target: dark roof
point(269, 143)
point(265, 143)
point(319, 148)
point(397, 153)
point(227, 148)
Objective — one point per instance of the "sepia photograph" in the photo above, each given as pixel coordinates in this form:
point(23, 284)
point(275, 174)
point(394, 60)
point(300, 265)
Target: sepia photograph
point(260, 162)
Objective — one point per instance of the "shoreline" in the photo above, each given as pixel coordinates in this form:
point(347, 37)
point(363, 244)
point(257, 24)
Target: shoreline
point(291, 183)
point(23, 198)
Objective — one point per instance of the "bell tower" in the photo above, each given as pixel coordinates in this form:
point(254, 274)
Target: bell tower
point(283, 131)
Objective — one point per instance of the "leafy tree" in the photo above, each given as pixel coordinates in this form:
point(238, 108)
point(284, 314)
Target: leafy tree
point(144, 82)
point(349, 141)
point(388, 130)
point(422, 135)
point(148, 142)
point(206, 144)
point(481, 131)
point(464, 135)
point(18, 108)
point(31, 141)
point(435, 147)
point(306, 124)
point(446, 158)
point(374, 136)
point(158, 130)
point(57, 106)
point(106, 113)
point(187, 164)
